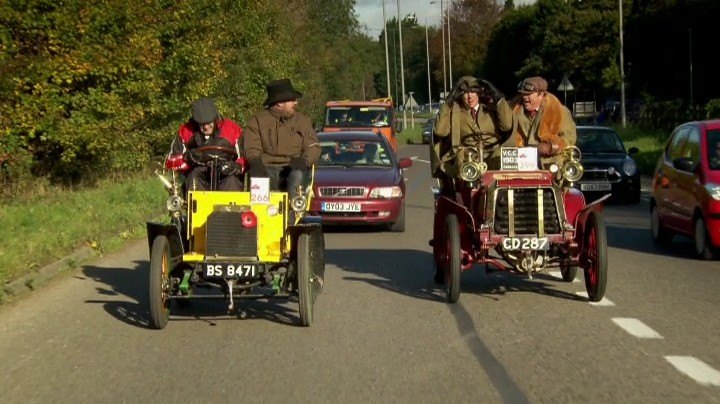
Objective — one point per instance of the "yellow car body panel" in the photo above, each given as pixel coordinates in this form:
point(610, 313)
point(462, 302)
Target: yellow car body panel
point(272, 243)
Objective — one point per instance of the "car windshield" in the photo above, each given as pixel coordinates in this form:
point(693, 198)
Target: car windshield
point(358, 116)
point(599, 141)
point(713, 142)
point(348, 153)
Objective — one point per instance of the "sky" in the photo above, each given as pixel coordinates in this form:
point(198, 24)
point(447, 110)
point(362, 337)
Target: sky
point(370, 13)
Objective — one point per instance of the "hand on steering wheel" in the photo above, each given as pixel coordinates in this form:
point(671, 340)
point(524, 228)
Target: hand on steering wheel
point(207, 153)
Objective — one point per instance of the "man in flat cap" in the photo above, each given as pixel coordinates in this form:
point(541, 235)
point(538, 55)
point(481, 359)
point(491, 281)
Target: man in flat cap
point(206, 128)
point(279, 142)
point(540, 119)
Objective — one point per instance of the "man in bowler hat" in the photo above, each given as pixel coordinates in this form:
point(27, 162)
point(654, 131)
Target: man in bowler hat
point(280, 142)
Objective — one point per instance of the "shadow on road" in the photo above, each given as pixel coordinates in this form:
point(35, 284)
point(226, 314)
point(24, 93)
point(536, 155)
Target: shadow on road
point(410, 273)
point(127, 292)
point(640, 240)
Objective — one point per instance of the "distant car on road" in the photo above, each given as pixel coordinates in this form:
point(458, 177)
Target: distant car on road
point(427, 131)
point(359, 180)
point(609, 168)
point(686, 188)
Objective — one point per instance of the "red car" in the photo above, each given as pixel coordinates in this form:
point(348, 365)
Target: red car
point(359, 180)
point(686, 188)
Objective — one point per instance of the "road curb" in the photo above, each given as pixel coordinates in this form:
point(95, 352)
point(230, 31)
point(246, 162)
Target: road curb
point(31, 281)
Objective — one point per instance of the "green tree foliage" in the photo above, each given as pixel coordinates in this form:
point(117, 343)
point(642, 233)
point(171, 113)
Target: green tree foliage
point(94, 88)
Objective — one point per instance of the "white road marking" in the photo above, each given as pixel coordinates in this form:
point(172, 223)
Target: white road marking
point(696, 369)
point(636, 328)
point(604, 302)
point(558, 274)
point(416, 158)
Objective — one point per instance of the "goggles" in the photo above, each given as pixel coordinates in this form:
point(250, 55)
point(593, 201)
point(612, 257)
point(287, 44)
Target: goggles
point(527, 87)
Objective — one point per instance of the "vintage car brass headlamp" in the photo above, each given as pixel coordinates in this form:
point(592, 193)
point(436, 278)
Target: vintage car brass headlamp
point(470, 163)
point(299, 202)
point(572, 169)
point(173, 203)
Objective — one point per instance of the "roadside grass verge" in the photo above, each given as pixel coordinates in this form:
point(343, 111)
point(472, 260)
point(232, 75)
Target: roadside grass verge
point(649, 143)
point(411, 135)
point(38, 231)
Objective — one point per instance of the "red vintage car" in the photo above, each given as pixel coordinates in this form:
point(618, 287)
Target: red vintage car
point(523, 221)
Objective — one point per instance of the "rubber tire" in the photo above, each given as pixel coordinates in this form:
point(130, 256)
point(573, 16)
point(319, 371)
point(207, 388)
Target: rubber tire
point(660, 234)
point(304, 277)
point(595, 269)
point(703, 249)
point(633, 199)
point(159, 276)
point(568, 272)
point(399, 225)
point(452, 259)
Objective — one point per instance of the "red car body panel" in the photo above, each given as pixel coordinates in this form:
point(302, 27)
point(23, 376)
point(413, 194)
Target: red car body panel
point(682, 195)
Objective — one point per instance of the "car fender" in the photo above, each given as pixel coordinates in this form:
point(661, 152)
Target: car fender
point(582, 217)
point(170, 231)
point(574, 201)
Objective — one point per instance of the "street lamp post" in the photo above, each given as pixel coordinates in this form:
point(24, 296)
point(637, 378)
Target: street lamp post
point(622, 71)
point(412, 111)
point(402, 68)
point(387, 57)
point(449, 45)
point(427, 55)
point(442, 28)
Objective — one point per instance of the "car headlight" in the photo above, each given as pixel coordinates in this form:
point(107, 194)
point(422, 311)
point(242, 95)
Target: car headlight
point(472, 171)
point(714, 191)
point(386, 192)
point(173, 203)
point(629, 167)
point(299, 203)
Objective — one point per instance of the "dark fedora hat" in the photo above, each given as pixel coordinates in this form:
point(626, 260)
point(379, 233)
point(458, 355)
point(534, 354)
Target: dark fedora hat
point(281, 90)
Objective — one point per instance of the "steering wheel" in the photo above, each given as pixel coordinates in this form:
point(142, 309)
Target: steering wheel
point(215, 152)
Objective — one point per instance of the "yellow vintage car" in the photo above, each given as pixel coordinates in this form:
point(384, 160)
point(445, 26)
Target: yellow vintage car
point(253, 244)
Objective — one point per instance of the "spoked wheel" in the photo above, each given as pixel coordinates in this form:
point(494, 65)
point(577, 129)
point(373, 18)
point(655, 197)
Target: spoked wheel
point(703, 249)
point(304, 277)
point(595, 262)
point(160, 282)
point(568, 272)
point(452, 262)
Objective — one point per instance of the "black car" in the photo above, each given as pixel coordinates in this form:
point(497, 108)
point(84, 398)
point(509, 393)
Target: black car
point(427, 131)
point(609, 168)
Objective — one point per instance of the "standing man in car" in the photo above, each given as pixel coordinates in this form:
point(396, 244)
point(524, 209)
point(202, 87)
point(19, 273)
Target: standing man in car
point(206, 128)
point(279, 142)
point(475, 108)
point(540, 119)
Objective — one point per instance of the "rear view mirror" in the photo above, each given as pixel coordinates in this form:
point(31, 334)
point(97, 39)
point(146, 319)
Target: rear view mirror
point(684, 164)
point(633, 150)
point(405, 162)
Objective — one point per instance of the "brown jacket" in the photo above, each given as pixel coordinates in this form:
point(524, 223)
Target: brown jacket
point(277, 140)
point(553, 124)
point(455, 123)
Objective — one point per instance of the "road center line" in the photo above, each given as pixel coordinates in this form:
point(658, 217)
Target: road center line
point(636, 328)
point(415, 158)
point(696, 369)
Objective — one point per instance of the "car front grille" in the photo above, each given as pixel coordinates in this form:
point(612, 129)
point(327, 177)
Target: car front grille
point(343, 192)
point(226, 237)
point(525, 207)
